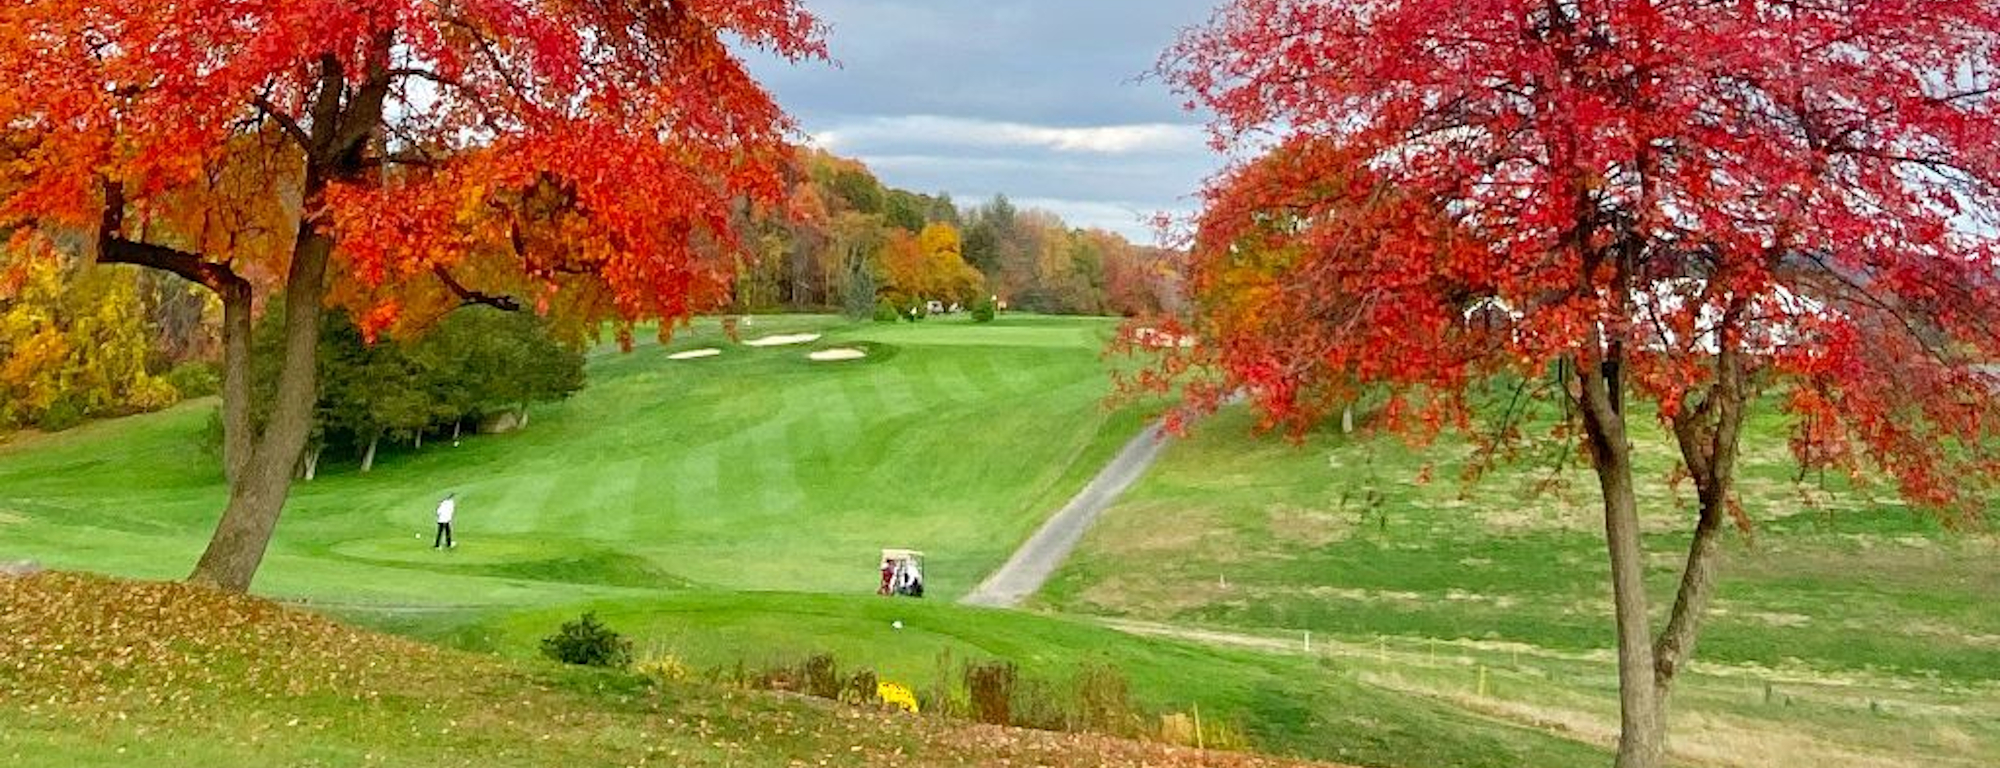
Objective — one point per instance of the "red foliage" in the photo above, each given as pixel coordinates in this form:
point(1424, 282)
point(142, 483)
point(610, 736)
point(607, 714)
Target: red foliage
point(1469, 187)
point(528, 146)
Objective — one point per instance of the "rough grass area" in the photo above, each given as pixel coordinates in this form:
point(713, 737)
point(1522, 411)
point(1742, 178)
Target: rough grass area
point(1285, 705)
point(1847, 629)
point(99, 672)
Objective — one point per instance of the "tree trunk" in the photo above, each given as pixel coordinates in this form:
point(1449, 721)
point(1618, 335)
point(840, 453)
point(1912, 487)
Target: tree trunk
point(456, 427)
point(237, 332)
point(310, 471)
point(1709, 435)
point(264, 477)
point(1347, 420)
point(523, 411)
point(420, 440)
point(368, 456)
point(1642, 720)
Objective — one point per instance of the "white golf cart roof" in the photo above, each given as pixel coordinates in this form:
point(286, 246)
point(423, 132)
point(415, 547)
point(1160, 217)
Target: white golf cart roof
point(902, 554)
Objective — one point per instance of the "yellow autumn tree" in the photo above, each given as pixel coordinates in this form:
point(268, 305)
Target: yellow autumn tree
point(946, 275)
point(73, 342)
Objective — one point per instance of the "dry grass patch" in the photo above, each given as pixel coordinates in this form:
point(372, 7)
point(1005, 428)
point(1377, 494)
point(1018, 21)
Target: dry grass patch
point(1309, 527)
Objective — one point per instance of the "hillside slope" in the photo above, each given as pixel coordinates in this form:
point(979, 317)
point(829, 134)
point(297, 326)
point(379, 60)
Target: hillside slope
point(96, 671)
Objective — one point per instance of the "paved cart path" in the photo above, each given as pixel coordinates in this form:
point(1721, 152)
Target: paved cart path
point(1040, 556)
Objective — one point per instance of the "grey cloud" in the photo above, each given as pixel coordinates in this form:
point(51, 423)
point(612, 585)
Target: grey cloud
point(1034, 98)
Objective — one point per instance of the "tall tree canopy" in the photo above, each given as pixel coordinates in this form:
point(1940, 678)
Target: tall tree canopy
point(580, 158)
point(1690, 203)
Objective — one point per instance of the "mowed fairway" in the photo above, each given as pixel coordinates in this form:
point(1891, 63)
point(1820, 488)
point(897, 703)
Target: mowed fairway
point(1848, 629)
point(756, 470)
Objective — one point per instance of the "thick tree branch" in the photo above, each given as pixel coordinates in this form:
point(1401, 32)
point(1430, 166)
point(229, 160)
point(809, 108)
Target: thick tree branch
point(114, 248)
point(468, 297)
point(1708, 436)
point(363, 114)
point(291, 127)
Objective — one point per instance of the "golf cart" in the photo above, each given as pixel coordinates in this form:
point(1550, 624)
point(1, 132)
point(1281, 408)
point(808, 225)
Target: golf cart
point(902, 573)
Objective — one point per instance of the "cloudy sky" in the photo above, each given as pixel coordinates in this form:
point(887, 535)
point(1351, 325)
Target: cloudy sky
point(1036, 99)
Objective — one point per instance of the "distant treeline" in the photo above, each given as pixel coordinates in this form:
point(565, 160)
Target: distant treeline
point(847, 242)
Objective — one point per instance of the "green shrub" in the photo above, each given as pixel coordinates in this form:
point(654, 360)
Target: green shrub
point(885, 312)
point(1039, 704)
point(67, 411)
point(983, 310)
point(195, 379)
point(586, 641)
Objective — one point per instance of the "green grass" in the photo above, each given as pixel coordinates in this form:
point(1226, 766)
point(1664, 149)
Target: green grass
point(1840, 589)
point(755, 470)
point(110, 673)
point(699, 506)
point(1287, 705)
point(730, 509)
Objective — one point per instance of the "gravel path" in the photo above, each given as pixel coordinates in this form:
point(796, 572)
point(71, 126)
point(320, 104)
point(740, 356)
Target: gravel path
point(1031, 565)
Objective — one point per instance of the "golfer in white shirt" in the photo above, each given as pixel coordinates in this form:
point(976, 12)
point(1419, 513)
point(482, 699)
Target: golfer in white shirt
point(446, 509)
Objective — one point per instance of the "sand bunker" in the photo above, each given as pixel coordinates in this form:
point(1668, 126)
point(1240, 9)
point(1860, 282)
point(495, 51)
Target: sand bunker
point(694, 354)
point(783, 341)
point(1155, 338)
point(836, 355)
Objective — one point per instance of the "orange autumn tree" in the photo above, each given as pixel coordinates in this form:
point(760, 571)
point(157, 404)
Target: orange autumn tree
point(1680, 211)
point(399, 156)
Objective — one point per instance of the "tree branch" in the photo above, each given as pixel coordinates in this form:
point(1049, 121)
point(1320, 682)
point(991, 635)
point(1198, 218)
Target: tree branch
point(424, 74)
point(292, 129)
point(113, 248)
point(468, 297)
point(1708, 436)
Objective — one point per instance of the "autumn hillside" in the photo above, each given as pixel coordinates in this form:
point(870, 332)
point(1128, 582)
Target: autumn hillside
point(98, 671)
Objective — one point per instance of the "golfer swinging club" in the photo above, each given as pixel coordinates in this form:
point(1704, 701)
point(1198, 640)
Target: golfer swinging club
point(445, 510)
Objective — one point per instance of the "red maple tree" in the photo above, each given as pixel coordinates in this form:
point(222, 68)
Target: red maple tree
point(1710, 206)
point(398, 156)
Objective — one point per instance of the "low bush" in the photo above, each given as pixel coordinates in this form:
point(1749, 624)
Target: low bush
point(897, 695)
point(885, 312)
point(983, 310)
point(1096, 699)
point(66, 412)
point(990, 686)
point(195, 379)
point(588, 642)
point(820, 677)
point(1104, 701)
point(664, 669)
point(863, 688)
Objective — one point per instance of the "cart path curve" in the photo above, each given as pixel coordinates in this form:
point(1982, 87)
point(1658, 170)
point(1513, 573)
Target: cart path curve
point(1039, 557)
